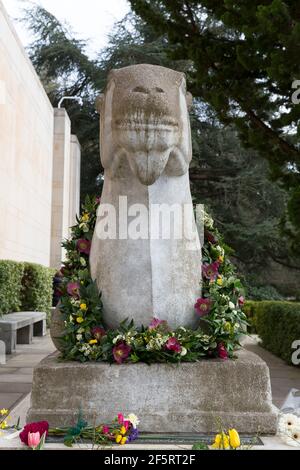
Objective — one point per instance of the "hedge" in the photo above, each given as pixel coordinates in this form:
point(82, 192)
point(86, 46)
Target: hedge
point(25, 287)
point(37, 288)
point(11, 274)
point(277, 323)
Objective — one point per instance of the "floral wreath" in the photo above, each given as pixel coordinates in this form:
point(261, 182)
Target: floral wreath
point(221, 319)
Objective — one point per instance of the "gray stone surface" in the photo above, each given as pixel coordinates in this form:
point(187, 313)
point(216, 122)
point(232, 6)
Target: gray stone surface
point(19, 327)
point(187, 397)
point(146, 151)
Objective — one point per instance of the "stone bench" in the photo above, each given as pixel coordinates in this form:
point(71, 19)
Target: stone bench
point(20, 327)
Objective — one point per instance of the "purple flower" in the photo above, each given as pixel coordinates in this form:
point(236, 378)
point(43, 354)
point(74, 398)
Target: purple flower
point(84, 246)
point(222, 351)
point(211, 271)
point(121, 351)
point(134, 434)
point(173, 345)
point(209, 237)
point(98, 332)
point(73, 289)
point(203, 306)
point(155, 323)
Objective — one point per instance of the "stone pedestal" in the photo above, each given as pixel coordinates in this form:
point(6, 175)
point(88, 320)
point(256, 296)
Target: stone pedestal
point(189, 397)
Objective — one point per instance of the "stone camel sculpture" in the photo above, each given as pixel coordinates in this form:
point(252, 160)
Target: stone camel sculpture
point(145, 146)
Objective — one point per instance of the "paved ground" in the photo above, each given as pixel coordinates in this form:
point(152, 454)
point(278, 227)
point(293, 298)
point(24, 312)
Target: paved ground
point(16, 375)
point(283, 376)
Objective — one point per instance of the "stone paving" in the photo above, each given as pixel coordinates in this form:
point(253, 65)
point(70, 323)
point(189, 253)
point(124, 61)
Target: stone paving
point(16, 375)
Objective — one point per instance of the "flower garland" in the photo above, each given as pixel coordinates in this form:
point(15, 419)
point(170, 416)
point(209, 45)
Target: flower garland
point(86, 338)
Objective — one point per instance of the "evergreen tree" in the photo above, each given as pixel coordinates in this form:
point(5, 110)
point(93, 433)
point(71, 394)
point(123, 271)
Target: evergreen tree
point(231, 181)
point(244, 59)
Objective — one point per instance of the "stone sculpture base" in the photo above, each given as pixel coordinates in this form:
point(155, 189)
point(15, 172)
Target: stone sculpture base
point(189, 397)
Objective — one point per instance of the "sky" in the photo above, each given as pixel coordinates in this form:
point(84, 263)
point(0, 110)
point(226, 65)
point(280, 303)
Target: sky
point(89, 19)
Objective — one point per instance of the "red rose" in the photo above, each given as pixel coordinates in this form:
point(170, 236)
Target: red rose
point(41, 427)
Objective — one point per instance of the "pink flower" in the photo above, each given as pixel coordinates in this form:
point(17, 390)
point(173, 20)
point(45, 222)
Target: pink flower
point(73, 289)
point(203, 306)
point(121, 351)
point(222, 351)
point(156, 322)
point(120, 418)
point(33, 439)
point(105, 430)
point(98, 332)
point(211, 271)
point(241, 300)
point(84, 246)
point(40, 427)
point(173, 345)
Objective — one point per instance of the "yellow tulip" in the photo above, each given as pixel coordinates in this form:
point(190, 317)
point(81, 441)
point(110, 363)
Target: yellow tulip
point(93, 341)
point(119, 438)
point(83, 307)
point(234, 438)
point(123, 430)
point(123, 441)
point(221, 441)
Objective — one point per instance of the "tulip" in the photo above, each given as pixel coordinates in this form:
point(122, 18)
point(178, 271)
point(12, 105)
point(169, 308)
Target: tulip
point(33, 439)
point(234, 438)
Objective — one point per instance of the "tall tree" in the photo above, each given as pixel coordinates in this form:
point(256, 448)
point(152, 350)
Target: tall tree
point(231, 181)
point(244, 59)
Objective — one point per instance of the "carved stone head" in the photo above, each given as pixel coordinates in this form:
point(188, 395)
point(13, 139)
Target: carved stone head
point(144, 118)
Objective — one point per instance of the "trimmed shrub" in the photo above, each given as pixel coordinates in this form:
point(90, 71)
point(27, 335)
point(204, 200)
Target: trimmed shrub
point(11, 274)
point(277, 324)
point(37, 290)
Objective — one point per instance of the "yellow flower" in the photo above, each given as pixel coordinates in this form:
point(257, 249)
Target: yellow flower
point(79, 319)
point(123, 441)
point(83, 307)
point(85, 217)
point(3, 412)
point(221, 259)
point(221, 441)
point(123, 430)
point(220, 281)
point(3, 425)
point(93, 341)
point(119, 438)
point(234, 438)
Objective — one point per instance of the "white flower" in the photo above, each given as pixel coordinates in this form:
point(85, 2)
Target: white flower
point(231, 305)
point(292, 437)
point(117, 338)
point(133, 419)
point(183, 352)
point(287, 421)
point(79, 337)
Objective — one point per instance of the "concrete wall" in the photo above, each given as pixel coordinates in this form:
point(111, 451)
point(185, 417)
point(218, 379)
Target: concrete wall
point(39, 161)
point(75, 160)
point(26, 153)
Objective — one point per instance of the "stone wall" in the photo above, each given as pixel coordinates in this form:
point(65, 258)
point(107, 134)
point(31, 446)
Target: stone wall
point(35, 165)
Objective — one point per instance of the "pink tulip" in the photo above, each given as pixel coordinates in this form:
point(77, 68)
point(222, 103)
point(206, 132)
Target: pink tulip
point(33, 439)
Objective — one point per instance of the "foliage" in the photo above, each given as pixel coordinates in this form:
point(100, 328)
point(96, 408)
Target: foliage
point(11, 273)
point(263, 293)
point(86, 338)
point(243, 63)
point(37, 284)
point(230, 180)
point(277, 324)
